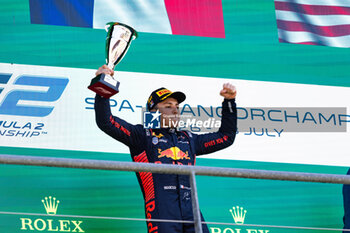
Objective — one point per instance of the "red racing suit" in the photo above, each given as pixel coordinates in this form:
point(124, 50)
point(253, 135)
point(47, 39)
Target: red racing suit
point(167, 196)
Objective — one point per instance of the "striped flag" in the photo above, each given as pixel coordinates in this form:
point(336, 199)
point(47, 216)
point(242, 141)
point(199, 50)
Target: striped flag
point(315, 22)
point(178, 17)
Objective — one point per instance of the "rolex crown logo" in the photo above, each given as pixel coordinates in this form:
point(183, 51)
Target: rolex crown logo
point(51, 205)
point(238, 214)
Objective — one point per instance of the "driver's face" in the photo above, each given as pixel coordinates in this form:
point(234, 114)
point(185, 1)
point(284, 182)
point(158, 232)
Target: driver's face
point(169, 109)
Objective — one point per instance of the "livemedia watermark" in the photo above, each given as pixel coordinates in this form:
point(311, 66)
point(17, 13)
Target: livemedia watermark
point(288, 119)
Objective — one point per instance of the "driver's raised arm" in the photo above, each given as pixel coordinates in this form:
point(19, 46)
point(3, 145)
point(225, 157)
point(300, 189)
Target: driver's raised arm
point(211, 142)
point(117, 128)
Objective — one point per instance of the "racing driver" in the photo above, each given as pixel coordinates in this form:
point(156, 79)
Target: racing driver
point(167, 196)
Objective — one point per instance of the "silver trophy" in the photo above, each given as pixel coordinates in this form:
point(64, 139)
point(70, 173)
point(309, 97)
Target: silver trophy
point(119, 37)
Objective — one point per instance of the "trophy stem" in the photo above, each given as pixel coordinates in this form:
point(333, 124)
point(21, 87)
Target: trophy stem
point(111, 66)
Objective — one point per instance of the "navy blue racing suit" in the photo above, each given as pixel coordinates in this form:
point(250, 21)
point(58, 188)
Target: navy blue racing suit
point(167, 196)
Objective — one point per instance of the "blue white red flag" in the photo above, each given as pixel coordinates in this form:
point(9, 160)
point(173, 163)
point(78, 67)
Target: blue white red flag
point(316, 22)
point(179, 17)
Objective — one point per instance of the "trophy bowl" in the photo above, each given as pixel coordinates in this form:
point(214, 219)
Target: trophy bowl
point(118, 41)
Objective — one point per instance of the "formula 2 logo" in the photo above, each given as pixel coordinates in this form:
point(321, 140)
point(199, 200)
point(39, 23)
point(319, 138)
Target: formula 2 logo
point(27, 88)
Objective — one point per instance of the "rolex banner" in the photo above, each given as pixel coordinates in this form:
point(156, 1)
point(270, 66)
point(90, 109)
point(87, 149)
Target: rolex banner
point(50, 108)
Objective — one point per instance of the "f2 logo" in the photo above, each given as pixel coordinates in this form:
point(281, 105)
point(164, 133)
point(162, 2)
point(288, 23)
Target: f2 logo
point(11, 106)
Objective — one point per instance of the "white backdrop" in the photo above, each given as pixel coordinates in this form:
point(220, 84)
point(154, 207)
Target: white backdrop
point(71, 125)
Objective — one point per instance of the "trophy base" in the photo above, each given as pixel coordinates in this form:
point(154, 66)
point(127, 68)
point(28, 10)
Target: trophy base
point(104, 85)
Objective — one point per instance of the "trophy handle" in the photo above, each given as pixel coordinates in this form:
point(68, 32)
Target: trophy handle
point(133, 31)
point(107, 26)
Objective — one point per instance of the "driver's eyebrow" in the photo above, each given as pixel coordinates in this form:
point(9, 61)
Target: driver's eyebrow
point(171, 103)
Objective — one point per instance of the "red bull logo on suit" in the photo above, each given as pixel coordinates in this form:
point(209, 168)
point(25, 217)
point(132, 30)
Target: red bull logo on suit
point(174, 153)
